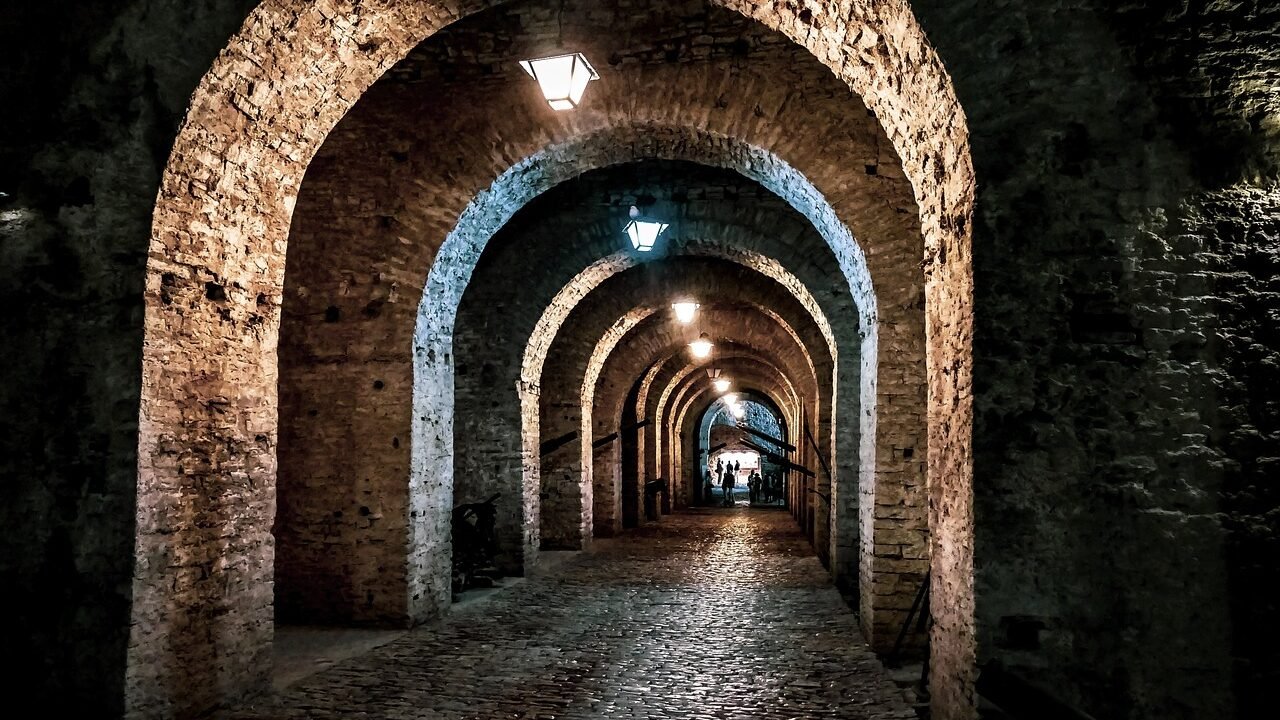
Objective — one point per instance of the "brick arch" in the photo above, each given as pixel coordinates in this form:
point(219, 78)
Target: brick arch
point(673, 370)
point(452, 266)
point(221, 220)
point(693, 386)
point(755, 374)
point(706, 416)
point(558, 310)
point(758, 391)
point(618, 375)
point(688, 423)
point(691, 383)
point(602, 312)
point(611, 375)
point(704, 419)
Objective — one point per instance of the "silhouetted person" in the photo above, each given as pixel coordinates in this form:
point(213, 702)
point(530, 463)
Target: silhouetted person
point(753, 488)
point(706, 487)
point(726, 485)
point(737, 467)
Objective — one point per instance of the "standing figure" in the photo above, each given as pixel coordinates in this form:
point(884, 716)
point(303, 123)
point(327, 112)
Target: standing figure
point(706, 487)
point(726, 485)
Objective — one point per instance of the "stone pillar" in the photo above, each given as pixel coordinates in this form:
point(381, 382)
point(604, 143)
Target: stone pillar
point(565, 490)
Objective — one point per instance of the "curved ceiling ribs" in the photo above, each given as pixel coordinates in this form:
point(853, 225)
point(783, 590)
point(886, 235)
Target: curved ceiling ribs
point(394, 224)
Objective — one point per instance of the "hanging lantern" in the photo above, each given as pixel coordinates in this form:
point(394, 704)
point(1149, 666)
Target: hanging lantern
point(644, 232)
point(563, 78)
point(701, 347)
point(722, 384)
point(730, 399)
point(685, 311)
point(738, 411)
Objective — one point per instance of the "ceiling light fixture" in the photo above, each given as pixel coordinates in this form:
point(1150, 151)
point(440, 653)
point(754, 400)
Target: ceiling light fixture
point(563, 78)
point(701, 347)
point(643, 232)
point(722, 384)
point(685, 311)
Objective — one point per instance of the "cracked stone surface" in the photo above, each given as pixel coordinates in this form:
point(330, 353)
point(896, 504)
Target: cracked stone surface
point(712, 614)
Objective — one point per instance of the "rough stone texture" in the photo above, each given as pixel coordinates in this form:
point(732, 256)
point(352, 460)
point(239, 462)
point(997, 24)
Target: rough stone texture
point(1125, 353)
point(743, 326)
point(639, 628)
point(208, 380)
point(1110, 138)
point(369, 220)
point(92, 93)
point(577, 225)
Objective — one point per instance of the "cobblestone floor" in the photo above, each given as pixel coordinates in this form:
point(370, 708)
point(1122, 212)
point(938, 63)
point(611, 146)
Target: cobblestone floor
point(642, 627)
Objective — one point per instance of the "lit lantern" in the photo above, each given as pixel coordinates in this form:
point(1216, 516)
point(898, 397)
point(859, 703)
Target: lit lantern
point(701, 347)
point(643, 232)
point(685, 311)
point(722, 384)
point(563, 78)
point(739, 411)
point(731, 399)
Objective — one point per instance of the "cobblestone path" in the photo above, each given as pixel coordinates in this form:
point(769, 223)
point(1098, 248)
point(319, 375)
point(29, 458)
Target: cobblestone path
point(709, 615)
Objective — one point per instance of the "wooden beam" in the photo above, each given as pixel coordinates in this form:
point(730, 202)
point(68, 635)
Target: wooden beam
point(776, 441)
point(713, 448)
point(773, 457)
point(596, 445)
point(817, 451)
point(550, 446)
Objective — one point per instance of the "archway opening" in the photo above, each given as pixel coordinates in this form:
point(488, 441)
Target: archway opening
point(239, 248)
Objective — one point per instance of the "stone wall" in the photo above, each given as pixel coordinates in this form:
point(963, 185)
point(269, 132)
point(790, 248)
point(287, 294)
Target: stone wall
point(1126, 157)
point(359, 236)
point(93, 93)
point(1124, 244)
point(513, 338)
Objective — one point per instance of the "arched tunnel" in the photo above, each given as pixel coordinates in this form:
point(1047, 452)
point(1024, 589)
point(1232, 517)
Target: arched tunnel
point(647, 359)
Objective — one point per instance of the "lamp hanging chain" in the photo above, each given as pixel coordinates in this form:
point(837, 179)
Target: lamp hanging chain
point(560, 27)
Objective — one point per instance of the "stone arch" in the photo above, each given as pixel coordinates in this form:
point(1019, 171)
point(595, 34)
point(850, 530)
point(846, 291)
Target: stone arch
point(672, 371)
point(451, 269)
point(559, 231)
point(693, 385)
point(706, 422)
point(617, 373)
point(601, 319)
point(706, 418)
point(222, 219)
point(687, 421)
